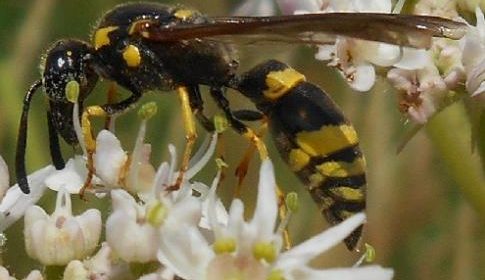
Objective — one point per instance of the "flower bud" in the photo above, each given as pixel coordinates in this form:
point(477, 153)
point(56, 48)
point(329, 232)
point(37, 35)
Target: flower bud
point(59, 238)
point(128, 230)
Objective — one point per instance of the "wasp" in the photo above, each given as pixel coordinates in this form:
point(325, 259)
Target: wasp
point(150, 46)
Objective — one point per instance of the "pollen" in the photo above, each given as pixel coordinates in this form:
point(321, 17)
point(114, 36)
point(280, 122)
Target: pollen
point(264, 251)
point(224, 245)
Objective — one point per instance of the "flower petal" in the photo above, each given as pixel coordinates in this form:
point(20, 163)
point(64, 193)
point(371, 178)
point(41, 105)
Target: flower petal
point(373, 272)
point(363, 77)
point(413, 59)
point(15, 202)
point(378, 53)
point(4, 178)
point(109, 158)
point(256, 8)
point(71, 178)
point(289, 7)
point(266, 211)
point(320, 243)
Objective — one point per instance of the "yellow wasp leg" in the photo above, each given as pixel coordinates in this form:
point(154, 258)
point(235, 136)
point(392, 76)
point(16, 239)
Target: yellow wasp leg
point(242, 167)
point(90, 142)
point(190, 134)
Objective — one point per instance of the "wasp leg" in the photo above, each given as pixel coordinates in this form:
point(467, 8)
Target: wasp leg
point(54, 146)
point(197, 105)
point(20, 171)
point(248, 115)
point(111, 99)
point(123, 105)
point(243, 166)
point(190, 134)
point(237, 125)
point(90, 142)
point(284, 217)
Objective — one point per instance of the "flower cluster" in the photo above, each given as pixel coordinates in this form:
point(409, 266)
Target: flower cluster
point(426, 80)
point(186, 233)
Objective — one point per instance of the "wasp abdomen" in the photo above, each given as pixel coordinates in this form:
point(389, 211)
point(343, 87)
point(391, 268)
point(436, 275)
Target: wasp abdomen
point(313, 137)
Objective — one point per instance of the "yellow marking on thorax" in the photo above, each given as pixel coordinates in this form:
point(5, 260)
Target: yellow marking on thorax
point(280, 82)
point(184, 14)
point(132, 56)
point(298, 159)
point(342, 168)
point(329, 139)
point(101, 37)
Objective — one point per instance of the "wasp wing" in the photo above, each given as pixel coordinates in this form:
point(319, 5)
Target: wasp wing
point(406, 30)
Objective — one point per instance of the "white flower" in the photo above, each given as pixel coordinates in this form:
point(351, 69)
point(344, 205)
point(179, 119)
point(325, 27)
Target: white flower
point(4, 178)
point(163, 274)
point(355, 58)
point(101, 266)
point(128, 230)
point(33, 275)
point(133, 227)
point(108, 150)
point(71, 178)
point(256, 8)
point(421, 91)
point(15, 202)
point(252, 250)
point(473, 49)
point(294, 263)
point(288, 7)
point(4, 275)
point(61, 237)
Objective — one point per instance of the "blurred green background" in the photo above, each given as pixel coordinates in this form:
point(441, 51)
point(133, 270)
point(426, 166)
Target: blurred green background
point(426, 205)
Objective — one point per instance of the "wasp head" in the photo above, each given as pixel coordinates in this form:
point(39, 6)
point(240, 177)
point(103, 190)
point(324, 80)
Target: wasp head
point(65, 62)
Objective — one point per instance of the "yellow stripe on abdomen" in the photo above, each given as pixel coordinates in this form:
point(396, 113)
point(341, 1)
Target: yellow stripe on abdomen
point(327, 140)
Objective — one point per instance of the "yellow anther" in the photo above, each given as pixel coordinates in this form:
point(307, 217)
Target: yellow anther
point(224, 245)
point(72, 91)
point(264, 251)
point(221, 163)
point(148, 110)
point(220, 123)
point(156, 214)
point(276, 275)
point(292, 202)
point(370, 253)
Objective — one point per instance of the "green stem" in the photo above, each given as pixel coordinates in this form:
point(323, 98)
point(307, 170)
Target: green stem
point(481, 138)
point(450, 133)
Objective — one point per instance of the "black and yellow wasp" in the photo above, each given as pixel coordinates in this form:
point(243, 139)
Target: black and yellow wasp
point(150, 46)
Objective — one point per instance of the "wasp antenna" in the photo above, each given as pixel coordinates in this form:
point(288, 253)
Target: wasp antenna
point(54, 146)
point(22, 139)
